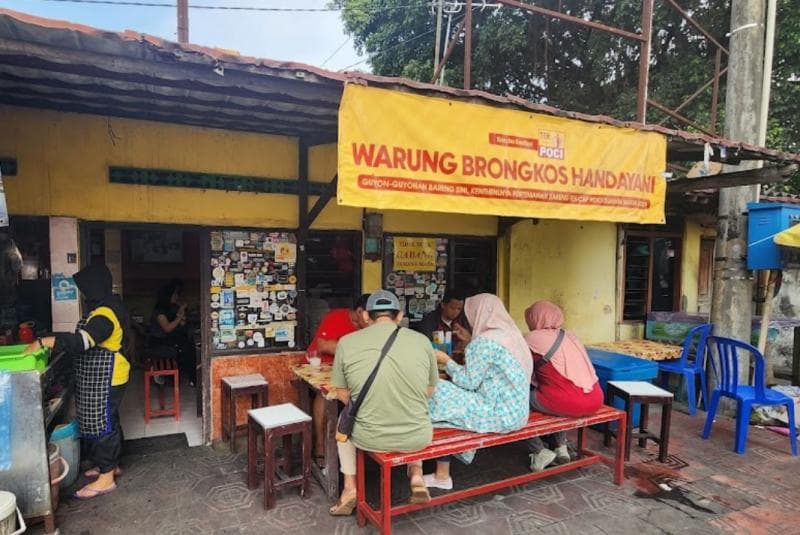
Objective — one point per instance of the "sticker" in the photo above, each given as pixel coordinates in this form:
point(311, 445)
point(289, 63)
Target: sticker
point(291, 316)
point(218, 273)
point(391, 278)
point(250, 342)
point(286, 252)
point(215, 297)
point(215, 305)
point(217, 241)
point(235, 256)
point(291, 343)
point(281, 296)
point(215, 315)
point(278, 316)
point(252, 318)
point(239, 243)
point(292, 279)
point(229, 278)
point(241, 345)
point(408, 291)
point(64, 288)
point(228, 298)
point(284, 334)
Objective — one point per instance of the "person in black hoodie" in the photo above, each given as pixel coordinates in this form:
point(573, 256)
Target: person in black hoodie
point(101, 373)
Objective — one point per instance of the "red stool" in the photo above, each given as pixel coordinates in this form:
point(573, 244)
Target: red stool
point(161, 368)
point(233, 387)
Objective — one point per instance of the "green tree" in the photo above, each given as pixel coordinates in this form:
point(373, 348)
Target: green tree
point(577, 68)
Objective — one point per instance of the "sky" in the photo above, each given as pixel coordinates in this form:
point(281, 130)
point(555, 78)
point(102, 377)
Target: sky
point(303, 37)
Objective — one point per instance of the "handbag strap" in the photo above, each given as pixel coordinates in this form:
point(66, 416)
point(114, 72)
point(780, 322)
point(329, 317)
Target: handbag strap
point(371, 378)
point(549, 355)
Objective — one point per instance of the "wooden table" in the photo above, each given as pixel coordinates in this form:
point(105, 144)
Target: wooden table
point(643, 349)
point(318, 379)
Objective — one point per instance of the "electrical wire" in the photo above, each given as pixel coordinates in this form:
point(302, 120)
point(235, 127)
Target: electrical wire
point(335, 52)
point(138, 3)
point(383, 51)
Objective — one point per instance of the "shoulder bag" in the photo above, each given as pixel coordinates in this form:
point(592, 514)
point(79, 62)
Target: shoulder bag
point(549, 355)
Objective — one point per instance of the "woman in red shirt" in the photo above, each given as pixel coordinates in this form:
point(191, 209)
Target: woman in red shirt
point(566, 383)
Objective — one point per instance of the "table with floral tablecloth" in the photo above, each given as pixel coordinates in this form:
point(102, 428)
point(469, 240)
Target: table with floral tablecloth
point(643, 349)
point(318, 379)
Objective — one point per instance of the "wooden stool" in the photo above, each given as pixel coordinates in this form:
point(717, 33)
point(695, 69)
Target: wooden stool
point(273, 423)
point(633, 392)
point(161, 368)
point(253, 385)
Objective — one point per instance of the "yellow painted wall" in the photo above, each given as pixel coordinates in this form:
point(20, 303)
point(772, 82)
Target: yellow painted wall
point(690, 265)
point(63, 161)
point(570, 263)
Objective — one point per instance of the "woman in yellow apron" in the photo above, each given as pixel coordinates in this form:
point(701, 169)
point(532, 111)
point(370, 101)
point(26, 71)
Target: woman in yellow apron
point(101, 373)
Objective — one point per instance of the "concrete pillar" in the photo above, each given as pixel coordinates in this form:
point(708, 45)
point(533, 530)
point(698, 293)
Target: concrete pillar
point(731, 308)
point(64, 262)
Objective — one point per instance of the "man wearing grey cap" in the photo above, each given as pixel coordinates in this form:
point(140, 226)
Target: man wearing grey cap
point(394, 414)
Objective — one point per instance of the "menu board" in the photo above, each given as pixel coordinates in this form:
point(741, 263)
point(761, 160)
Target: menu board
point(415, 268)
point(253, 293)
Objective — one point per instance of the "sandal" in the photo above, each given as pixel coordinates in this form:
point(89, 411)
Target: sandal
point(93, 493)
point(419, 494)
point(343, 508)
point(95, 472)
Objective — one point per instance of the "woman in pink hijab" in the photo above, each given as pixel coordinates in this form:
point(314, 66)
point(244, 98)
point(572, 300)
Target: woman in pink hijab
point(567, 384)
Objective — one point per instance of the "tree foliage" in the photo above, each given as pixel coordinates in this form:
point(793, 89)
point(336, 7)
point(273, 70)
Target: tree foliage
point(578, 68)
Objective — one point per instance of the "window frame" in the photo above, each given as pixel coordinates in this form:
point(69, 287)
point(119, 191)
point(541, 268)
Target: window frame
point(651, 236)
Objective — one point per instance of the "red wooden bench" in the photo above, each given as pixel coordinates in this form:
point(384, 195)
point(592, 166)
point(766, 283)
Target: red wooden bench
point(450, 441)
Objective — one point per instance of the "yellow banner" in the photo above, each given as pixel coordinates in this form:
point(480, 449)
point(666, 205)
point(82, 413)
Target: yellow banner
point(414, 254)
point(404, 151)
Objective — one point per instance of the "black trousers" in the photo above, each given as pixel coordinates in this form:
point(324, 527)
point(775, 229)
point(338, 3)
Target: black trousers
point(106, 451)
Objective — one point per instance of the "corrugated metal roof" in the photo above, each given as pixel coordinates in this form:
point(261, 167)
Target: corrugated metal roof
point(220, 88)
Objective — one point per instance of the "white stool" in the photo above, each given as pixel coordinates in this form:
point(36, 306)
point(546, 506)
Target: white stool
point(272, 423)
point(644, 393)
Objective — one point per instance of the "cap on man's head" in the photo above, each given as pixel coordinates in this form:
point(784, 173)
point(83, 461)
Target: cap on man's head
point(383, 301)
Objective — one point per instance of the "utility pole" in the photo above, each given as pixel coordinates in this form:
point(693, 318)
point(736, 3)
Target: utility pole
point(731, 308)
point(437, 46)
point(183, 21)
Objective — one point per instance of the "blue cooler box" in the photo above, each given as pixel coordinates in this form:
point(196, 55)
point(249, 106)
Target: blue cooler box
point(619, 367)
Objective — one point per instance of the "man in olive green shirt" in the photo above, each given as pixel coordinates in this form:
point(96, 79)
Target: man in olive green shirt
point(394, 414)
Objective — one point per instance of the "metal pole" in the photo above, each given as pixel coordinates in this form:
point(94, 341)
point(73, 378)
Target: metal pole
point(766, 80)
point(446, 47)
point(715, 91)
point(644, 60)
point(183, 21)
point(766, 83)
point(468, 46)
point(437, 46)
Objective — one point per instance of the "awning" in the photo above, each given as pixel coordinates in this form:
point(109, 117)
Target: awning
point(789, 237)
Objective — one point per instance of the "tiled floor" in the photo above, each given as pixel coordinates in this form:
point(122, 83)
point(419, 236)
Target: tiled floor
point(132, 412)
point(704, 488)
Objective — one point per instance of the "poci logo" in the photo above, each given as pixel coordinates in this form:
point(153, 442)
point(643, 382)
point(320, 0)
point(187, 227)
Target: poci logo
point(551, 145)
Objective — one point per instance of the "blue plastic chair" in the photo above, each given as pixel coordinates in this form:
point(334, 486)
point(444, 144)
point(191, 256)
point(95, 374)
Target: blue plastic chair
point(746, 396)
point(690, 364)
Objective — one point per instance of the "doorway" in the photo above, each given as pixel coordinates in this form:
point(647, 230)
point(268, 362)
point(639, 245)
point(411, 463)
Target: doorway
point(333, 273)
point(147, 263)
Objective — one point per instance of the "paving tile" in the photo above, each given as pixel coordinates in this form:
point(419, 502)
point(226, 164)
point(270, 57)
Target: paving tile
point(710, 489)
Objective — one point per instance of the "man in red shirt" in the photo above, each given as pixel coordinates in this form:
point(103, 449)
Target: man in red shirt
point(336, 324)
